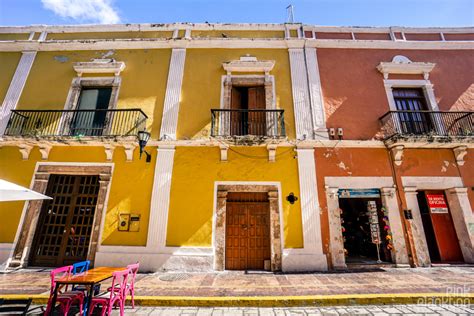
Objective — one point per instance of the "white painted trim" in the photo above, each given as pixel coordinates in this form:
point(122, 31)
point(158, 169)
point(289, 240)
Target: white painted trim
point(169, 122)
point(99, 66)
point(73, 45)
point(432, 183)
point(426, 85)
point(301, 98)
point(16, 88)
point(316, 94)
point(402, 65)
point(249, 66)
point(160, 199)
point(310, 209)
point(358, 182)
point(226, 26)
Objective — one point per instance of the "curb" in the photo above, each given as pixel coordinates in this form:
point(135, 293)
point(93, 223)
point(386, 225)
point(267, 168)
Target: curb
point(286, 301)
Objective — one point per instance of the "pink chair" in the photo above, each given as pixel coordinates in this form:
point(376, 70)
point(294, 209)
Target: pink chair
point(131, 282)
point(65, 299)
point(119, 281)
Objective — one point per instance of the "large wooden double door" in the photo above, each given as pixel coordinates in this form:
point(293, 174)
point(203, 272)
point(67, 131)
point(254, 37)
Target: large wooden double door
point(65, 223)
point(247, 231)
point(250, 117)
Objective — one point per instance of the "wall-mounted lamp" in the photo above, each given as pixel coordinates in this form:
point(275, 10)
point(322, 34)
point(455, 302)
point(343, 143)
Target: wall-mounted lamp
point(291, 198)
point(143, 137)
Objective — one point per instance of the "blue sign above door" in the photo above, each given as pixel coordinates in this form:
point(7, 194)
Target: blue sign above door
point(359, 193)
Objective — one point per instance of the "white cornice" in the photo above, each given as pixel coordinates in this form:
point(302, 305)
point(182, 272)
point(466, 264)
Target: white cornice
point(72, 45)
point(99, 66)
point(144, 27)
point(402, 65)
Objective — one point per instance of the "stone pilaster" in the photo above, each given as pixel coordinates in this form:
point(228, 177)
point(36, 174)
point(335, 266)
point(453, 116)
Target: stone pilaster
point(463, 220)
point(173, 92)
point(275, 231)
point(160, 198)
point(418, 232)
point(336, 239)
point(389, 200)
point(16, 88)
point(219, 239)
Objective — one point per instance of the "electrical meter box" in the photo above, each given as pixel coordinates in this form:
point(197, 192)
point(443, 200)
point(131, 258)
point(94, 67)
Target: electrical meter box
point(124, 222)
point(134, 222)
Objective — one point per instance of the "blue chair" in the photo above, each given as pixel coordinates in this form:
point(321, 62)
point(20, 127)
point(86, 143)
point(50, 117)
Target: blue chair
point(80, 267)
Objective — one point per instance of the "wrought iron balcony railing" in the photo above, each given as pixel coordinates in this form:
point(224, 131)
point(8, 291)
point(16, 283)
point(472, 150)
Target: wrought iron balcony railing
point(237, 122)
point(78, 123)
point(427, 123)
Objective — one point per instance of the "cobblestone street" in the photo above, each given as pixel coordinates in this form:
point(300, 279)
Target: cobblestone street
point(309, 311)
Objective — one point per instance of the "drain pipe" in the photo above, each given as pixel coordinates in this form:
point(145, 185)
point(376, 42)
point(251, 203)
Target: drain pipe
point(413, 259)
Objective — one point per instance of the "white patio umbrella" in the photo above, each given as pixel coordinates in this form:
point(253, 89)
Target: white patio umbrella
point(13, 192)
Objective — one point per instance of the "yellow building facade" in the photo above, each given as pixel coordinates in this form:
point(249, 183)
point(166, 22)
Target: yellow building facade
point(227, 179)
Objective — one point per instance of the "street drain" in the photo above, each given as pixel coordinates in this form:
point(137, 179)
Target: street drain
point(174, 277)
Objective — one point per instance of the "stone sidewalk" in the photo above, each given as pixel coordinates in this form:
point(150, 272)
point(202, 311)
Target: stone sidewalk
point(225, 284)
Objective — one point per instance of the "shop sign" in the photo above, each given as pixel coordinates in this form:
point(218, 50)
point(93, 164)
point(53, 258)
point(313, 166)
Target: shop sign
point(359, 193)
point(374, 222)
point(437, 203)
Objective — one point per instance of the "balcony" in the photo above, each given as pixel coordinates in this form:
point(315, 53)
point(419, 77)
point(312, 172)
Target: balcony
point(244, 123)
point(76, 123)
point(430, 126)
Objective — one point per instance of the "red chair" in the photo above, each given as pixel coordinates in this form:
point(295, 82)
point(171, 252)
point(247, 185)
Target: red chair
point(131, 282)
point(119, 281)
point(65, 299)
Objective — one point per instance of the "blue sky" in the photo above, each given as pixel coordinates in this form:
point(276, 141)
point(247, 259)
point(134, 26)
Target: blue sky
point(319, 12)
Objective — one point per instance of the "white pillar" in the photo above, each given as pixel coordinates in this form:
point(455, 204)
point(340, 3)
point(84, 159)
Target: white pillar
point(463, 220)
point(169, 121)
point(315, 93)
point(336, 239)
point(418, 232)
point(315, 259)
point(160, 198)
point(299, 85)
point(16, 88)
point(389, 200)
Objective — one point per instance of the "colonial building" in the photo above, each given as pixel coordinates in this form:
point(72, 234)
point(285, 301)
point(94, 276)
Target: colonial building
point(201, 147)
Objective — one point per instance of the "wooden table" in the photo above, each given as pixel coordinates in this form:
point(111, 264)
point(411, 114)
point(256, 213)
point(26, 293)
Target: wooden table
point(89, 279)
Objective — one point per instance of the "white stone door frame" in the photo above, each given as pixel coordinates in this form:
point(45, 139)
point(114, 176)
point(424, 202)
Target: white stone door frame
point(389, 200)
point(219, 218)
point(459, 206)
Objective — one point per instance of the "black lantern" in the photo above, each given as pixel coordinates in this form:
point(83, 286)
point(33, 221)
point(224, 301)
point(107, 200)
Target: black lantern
point(143, 137)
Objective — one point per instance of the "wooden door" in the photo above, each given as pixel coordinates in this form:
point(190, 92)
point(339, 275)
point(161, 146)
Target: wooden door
point(65, 224)
point(247, 231)
point(257, 120)
point(91, 122)
point(443, 227)
point(413, 101)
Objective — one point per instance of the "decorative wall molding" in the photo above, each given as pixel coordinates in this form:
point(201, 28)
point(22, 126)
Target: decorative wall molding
point(109, 151)
point(223, 150)
point(402, 65)
point(25, 151)
point(397, 152)
point(299, 85)
point(249, 64)
point(272, 152)
point(129, 149)
point(310, 210)
point(316, 95)
point(169, 122)
point(44, 151)
point(99, 66)
point(460, 152)
point(160, 198)
point(16, 88)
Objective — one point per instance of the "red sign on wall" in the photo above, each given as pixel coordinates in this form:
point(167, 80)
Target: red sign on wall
point(437, 203)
